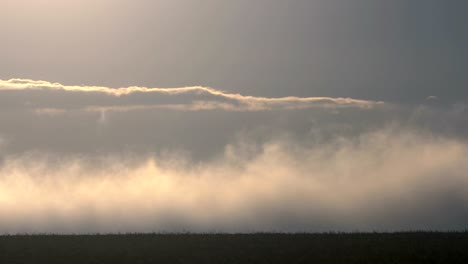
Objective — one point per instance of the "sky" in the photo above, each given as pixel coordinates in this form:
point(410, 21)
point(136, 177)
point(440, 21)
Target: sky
point(233, 116)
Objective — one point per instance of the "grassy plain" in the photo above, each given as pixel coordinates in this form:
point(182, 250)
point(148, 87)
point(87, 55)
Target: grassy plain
point(414, 247)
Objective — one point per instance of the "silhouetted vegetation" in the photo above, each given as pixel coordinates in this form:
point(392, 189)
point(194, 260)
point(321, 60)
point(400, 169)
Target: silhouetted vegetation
point(417, 247)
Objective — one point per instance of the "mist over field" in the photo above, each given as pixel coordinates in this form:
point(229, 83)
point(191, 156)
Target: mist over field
point(80, 159)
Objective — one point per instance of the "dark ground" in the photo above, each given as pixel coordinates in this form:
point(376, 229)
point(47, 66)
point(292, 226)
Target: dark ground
point(416, 247)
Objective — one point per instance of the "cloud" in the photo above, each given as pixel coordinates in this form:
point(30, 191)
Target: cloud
point(388, 180)
point(95, 159)
point(46, 95)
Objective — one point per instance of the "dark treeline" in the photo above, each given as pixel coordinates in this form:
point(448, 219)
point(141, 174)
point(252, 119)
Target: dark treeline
point(411, 247)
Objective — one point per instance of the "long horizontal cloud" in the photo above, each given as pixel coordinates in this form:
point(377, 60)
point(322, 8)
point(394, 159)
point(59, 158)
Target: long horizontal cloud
point(46, 96)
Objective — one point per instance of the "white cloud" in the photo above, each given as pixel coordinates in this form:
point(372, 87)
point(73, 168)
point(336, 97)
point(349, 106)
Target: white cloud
point(53, 95)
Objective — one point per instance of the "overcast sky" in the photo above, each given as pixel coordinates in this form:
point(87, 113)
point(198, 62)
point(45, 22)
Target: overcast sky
point(372, 49)
point(233, 116)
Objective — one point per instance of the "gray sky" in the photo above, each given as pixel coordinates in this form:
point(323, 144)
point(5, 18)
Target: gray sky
point(233, 116)
point(397, 50)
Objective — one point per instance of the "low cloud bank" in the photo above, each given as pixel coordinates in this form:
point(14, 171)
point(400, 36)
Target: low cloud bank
point(389, 179)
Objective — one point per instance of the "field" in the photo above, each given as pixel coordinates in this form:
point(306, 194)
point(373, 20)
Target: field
point(416, 247)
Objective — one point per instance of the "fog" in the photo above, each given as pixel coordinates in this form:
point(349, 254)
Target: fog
point(384, 180)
